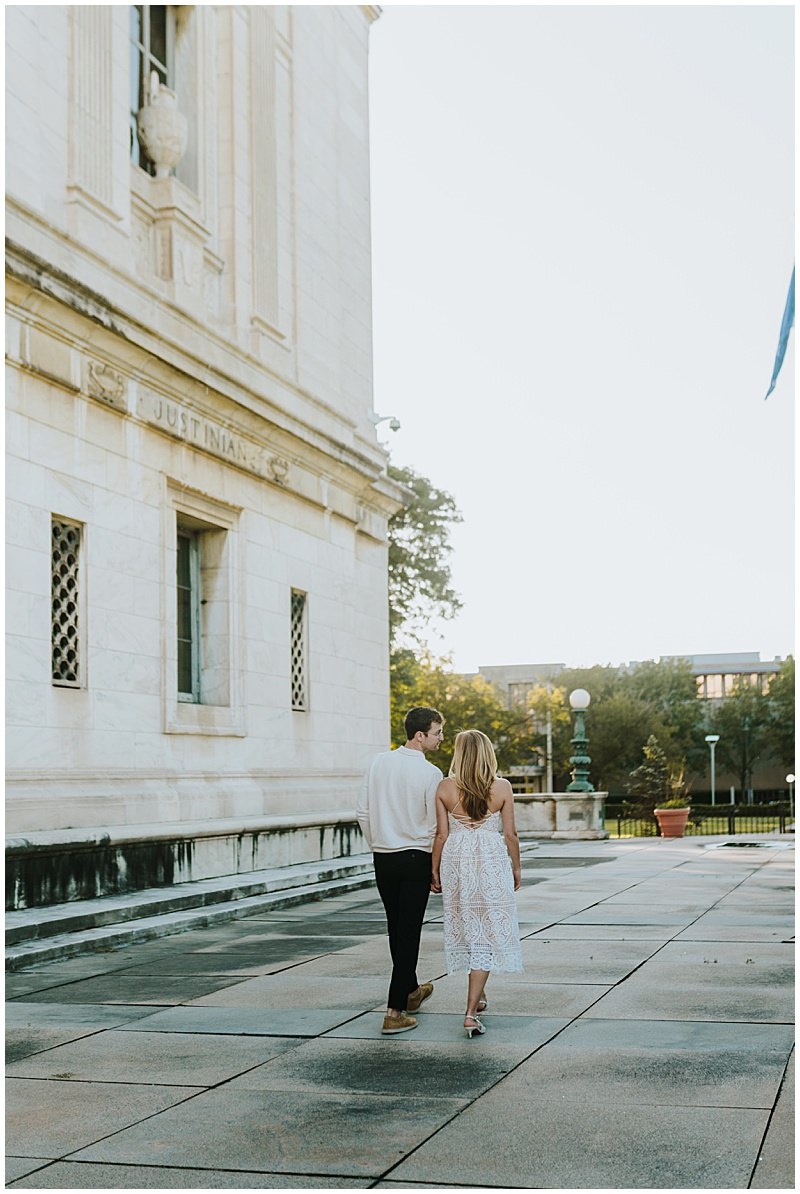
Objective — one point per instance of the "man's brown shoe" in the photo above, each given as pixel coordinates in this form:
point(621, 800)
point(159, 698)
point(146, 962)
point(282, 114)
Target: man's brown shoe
point(400, 1023)
point(425, 991)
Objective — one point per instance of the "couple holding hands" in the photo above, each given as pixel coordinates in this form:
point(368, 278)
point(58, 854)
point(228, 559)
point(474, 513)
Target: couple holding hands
point(431, 834)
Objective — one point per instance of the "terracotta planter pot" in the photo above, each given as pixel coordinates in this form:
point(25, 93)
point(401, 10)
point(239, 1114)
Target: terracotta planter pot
point(672, 821)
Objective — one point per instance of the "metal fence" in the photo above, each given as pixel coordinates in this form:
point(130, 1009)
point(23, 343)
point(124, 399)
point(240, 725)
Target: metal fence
point(706, 819)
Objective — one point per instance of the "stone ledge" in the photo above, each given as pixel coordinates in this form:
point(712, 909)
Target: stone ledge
point(65, 931)
point(117, 835)
point(33, 923)
point(74, 867)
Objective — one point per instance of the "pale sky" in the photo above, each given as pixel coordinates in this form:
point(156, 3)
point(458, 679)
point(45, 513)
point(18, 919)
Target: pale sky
point(582, 223)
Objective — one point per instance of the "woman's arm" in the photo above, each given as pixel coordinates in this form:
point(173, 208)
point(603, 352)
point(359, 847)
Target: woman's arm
point(510, 832)
point(442, 833)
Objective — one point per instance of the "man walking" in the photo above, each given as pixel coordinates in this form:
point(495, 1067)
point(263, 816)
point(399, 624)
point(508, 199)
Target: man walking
point(397, 814)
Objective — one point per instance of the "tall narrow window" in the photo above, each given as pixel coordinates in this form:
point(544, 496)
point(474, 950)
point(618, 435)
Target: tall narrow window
point(152, 48)
point(299, 685)
point(203, 646)
point(188, 622)
point(65, 576)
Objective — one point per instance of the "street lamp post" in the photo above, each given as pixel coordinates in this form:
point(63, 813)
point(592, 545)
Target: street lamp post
point(790, 782)
point(712, 740)
point(748, 777)
point(579, 701)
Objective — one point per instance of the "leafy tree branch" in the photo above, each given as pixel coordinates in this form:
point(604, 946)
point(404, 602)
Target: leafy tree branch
point(420, 585)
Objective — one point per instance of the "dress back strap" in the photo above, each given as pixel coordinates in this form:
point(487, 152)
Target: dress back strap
point(464, 815)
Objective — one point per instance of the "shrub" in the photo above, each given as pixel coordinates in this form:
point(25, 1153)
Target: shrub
point(656, 784)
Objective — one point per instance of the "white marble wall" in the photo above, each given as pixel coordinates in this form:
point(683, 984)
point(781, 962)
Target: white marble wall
point(199, 344)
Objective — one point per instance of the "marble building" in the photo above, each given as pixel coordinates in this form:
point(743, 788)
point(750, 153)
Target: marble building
point(197, 503)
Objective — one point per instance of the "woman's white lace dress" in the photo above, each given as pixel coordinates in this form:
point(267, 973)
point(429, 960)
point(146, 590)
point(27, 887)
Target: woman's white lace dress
point(481, 929)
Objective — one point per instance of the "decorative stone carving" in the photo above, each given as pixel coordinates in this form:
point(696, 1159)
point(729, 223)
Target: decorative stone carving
point(164, 247)
point(189, 255)
point(105, 383)
point(279, 469)
point(142, 233)
point(212, 272)
point(163, 130)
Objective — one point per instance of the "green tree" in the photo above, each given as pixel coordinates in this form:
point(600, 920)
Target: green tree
point(742, 722)
point(655, 782)
point(465, 702)
point(420, 586)
point(621, 717)
point(599, 681)
point(669, 688)
point(618, 729)
point(549, 702)
point(780, 715)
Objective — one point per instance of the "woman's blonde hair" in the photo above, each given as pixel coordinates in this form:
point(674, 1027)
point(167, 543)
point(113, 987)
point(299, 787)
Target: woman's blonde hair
point(474, 768)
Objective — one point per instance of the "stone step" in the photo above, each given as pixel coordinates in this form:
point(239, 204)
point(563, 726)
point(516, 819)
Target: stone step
point(67, 930)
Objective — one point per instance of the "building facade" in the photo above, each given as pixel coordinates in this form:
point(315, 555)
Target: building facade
point(719, 675)
point(197, 640)
point(716, 676)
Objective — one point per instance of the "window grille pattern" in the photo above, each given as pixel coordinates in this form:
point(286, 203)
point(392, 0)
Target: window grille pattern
point(299, 686)
point(66, 544)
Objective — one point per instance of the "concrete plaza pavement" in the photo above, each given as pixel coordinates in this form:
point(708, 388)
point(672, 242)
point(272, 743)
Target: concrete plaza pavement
point(648, 1044)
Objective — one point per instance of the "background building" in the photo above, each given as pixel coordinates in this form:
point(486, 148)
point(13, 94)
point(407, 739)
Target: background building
point(716, 674)
point(197, 652)
point(717, 677)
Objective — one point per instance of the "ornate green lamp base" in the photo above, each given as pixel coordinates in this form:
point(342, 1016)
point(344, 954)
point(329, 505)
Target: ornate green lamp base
point(580, 759)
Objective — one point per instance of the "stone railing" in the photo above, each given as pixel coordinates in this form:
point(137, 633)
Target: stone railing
point(560, 814)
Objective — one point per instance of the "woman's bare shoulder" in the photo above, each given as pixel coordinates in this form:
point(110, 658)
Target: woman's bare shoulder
point(499, 793)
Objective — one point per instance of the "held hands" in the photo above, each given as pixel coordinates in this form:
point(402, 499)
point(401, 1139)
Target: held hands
point(436, 885)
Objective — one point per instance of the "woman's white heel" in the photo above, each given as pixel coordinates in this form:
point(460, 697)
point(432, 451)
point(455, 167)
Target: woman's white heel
point(475, 1026)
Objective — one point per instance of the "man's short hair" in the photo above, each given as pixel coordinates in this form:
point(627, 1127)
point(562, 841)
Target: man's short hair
point(421, 718)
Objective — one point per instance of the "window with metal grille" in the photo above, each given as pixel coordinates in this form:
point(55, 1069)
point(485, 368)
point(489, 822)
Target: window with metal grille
point(66, 652)
point(299, 685)
point(152, 48)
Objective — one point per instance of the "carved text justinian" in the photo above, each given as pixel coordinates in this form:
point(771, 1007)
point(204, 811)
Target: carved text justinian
point(186, 424)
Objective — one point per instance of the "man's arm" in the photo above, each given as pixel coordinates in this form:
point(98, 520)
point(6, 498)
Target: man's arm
point(442, 833)
point(362, 810)
point(430, 801)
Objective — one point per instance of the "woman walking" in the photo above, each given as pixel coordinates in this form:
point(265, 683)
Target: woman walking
point(477, 871)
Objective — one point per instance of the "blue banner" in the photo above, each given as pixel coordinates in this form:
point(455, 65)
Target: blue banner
point(786, 326)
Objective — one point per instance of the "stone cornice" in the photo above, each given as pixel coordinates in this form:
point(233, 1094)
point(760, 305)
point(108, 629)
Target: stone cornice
point(70, 271)
point(198, 390)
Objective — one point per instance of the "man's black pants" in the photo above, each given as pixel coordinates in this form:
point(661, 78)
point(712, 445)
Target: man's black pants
point(404, 884)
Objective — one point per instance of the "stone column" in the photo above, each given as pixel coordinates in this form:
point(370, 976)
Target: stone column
point(264, 171)
point(91, 103)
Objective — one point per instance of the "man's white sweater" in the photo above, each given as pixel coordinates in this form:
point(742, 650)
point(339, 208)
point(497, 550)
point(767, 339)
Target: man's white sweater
point(397, 804)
